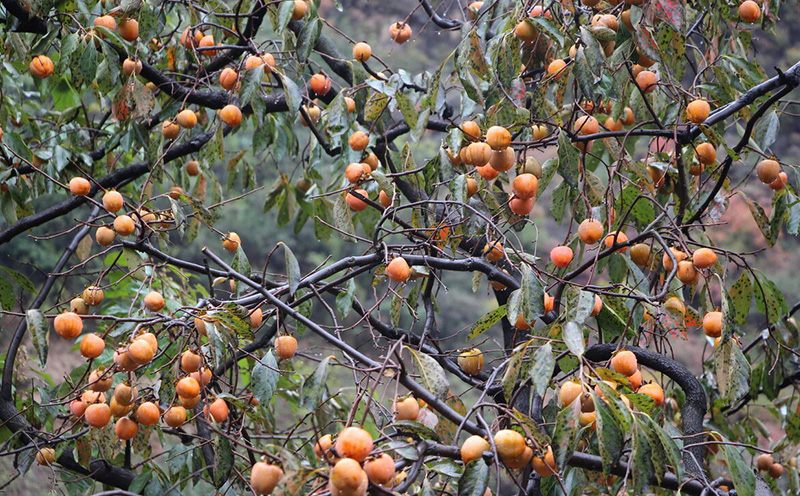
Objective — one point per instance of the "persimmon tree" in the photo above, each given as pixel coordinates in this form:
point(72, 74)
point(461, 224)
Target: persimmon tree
point(142, 122)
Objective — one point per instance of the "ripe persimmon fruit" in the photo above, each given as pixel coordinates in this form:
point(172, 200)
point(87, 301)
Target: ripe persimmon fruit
point(586, 124)
point(706, 153)
point(357, 204)
point(498, 138)
point(175, 416)
point(704, 258)
point(590, 231)
point(380, 470)
point(217, 410)
point(190, 361)
point(647, 81)
point(569, 392)
point(153, 301)
point(147, 413)
point(617, 237)
point(521, 206)
point(545, 466)
point(79, 186)
point(767, 170)
point(509, 443)
point(471, 130)
point(400, 32)
point(126, 428)
point(697, 111)
point(503, 160)
point(41, 66)
point(712, 324)
point(358, 141)
point(640, 254)
point(398, 270)
point(97, 415)
point(263, 476)
point(687, 273)
point(230, 114)
point(46, 456)
point(170, 130)
point(285, 347)
point(654, 391)
point(355, 443)
point(92, 346)
point(625, 363)
point(228, 78)
point(186, 118)
point(749, 11)
point(187, 387)
point(473, 448)
point(666, 261)
point(68, 325)
point(299, 11)
point(525, 186)
point(128, 29)
point(471, 361)
point(561, 256)
point(406, 409)
point(362, 51)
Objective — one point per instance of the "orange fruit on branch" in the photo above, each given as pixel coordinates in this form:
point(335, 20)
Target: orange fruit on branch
point(398, 270)
point(79, 186)
point(625, 363)
point(265, 477)
point(697, 111)
point(68, 325)
point(561, 256)
point(285, 347)
point(92, 346)
point(230, 114)
point(355, 443)
point(590, 231)
point(400, 32)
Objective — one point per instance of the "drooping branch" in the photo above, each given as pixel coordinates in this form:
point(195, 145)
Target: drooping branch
point(694, 408)
point(112, 180)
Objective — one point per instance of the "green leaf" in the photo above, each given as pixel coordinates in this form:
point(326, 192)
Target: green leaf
point(344, 300)
point(294, 98)
point(431, 373)
point(532, 295)
point(609, 436)
point(7, 299)
point(544, 364)
point(223, 460)
point(568, 160)
point(565, 434)
point(406, 107)
point(314, 386)
point(475, 479)
point(573, 338)
point(517, 365)
point(40, 333)
point(342, 219)
point(416, 428)
point(265, 377)
point(641, 458)
point(731, 370)
point(741, 294)
point(307, 39)
point(86, 68)
point(292, 268)
point(743, 478)
point(486, 322)
point(728, 313)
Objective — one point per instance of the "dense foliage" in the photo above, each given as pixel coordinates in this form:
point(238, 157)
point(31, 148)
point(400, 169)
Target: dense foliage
point(133, 127)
